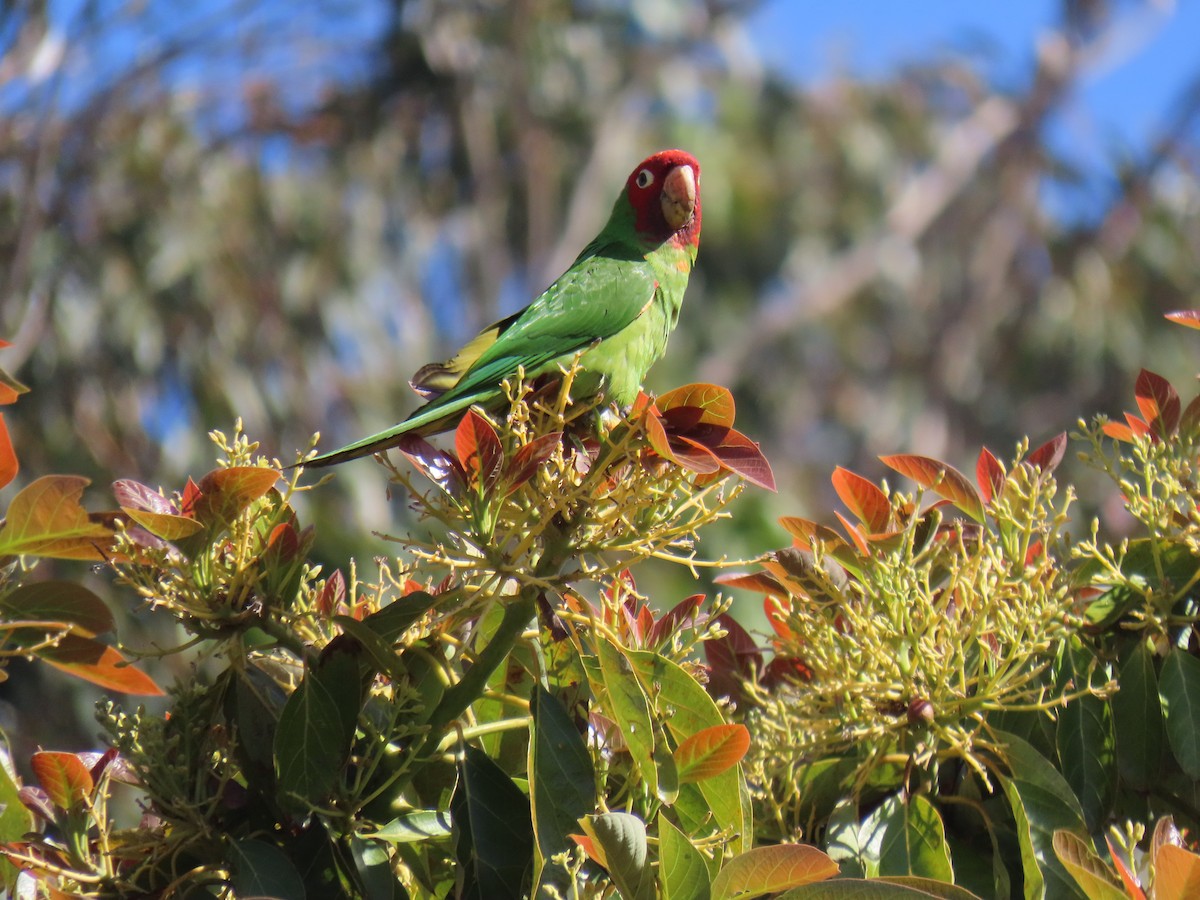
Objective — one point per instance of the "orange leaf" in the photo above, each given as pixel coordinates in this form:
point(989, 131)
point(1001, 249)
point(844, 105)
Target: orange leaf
point(1158, 402)
point(1188, 317)
point(855, 534)
point(1128, 879)
point(989, 475)
point(715, 402)
point(63, 776)
point(46, 519)
point(99, 664)
point(864, 498)
point(1117, 431)
point(777, 616)
point(8, 456)
point(1176, 872)
point(589, 847)
point(766, 870)
point(711, 751)
point(753, 581)
point(10, 388)
point(941, 478)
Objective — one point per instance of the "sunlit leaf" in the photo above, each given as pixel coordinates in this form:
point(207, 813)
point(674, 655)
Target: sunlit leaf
point(63, 776)
point(1086, 867)
point(1118, 431)
point(771, 868)
point(167, 526)
point(414, 827)
point(989, 475)
point(46, 519)
point(437, 465)
point(135, 495)
point(944, 480)
point(762, 582)
point(624, 701)
point(683, 873)
point(479, 450)
point(911, 838)
point(1176, 872)
point(10, 388)
point(684, 614)
point(95, 662)
point(1188, 317)
point(9, 466)
point(59, 602)
point(226, 493)
point(333, 594)
point(715, 402)
point(1128, 880)
point(711, 751)
point(854, 532)
point(864, 498)
point(1158, 402)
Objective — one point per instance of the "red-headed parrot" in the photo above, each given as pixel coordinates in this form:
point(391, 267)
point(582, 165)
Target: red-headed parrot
point(617, 303)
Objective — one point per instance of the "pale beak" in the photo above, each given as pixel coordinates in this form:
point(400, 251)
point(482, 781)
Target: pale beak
point(679, 197)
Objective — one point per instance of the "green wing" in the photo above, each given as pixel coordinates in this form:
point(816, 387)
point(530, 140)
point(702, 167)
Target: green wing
point(603, 293)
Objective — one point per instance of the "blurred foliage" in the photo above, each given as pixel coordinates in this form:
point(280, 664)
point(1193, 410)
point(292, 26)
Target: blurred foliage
point(279, 212)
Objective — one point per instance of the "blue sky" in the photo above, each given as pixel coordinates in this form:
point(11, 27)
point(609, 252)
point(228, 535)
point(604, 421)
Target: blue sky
point(1129, 94)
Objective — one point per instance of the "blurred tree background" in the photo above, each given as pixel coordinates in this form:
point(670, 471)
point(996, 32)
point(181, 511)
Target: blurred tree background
point(278, 211)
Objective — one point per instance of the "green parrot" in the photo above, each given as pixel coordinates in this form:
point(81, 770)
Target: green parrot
point(617, 304)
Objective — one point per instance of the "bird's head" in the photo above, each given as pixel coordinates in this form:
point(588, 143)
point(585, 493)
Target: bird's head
point(664, 191)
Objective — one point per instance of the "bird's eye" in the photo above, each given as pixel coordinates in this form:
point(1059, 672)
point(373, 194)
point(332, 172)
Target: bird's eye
point(645, 178)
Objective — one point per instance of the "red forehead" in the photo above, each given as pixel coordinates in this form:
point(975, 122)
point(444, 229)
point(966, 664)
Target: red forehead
point(662, 162)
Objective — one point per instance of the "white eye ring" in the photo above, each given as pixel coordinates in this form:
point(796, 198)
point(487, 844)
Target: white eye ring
point(645, 178)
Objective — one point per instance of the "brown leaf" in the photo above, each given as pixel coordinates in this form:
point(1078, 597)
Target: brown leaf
point(1047, 457)
point(744, 458)
point(715, 402)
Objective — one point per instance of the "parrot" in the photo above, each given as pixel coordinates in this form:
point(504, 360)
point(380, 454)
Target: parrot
point(615, 306)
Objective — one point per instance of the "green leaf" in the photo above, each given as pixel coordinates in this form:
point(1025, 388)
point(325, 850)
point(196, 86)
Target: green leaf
point(494, 830)
point(316, 730)
point(1041, 803)
point(1179, 694)
point(1084, 738)
point(413, 827)
point(15, 819)
point(620, 840)
point(909, 838)
point(878, 889)
point(682, 871)
point(771, 868)
point(59, 602)
point(1137, 719)
point(1089, 872)
point(688, 709)
point(562, 783)
point(263, 870)
point(625, 701)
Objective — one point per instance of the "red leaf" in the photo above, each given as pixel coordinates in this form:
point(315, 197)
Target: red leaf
point(135, 495)
point(777, 617)
point(989, 475)
point(711, 751)
point(94, 662)
point(744, 458)
point(855, 534)
point(479, 450)
point(1188, 317)
point(941, 478)
point(1050, 454)
point(685, 613)
point(693, 456)
point(786, 670)
point(807, 533)
point(526, 460)
point(864, 498)
point(63, 776)
point(333, 595)
point(715, 402)
point(187, 502)
point(1158, 402)
point(438, 466)
point(8, 457)
point(731, 659)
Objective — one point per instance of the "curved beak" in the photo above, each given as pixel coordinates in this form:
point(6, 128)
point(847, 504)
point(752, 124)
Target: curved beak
point(679, 197)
